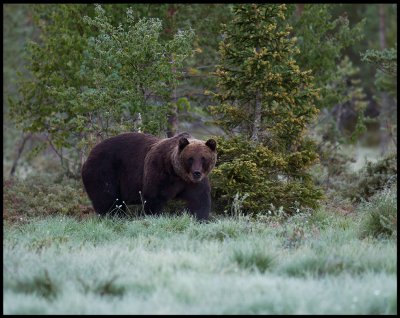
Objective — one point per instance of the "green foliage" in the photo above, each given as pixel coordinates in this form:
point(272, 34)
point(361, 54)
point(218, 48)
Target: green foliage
point(259, 62)
point(386, 62)
point(113, 78)
point(349, 91)
point(334, 174)
point(267, 102)
point(372, 34)
point(322, 40)
point(379, 215)
point(42, 195)
point(265, 177)
point(133, 69)
point(37, 108)
point(206, 20)
point(372, 178)
point(16, 31)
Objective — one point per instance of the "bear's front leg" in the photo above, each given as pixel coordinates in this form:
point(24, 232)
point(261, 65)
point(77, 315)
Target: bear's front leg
point(154, 181)
point(198, 199)
point(153, 206)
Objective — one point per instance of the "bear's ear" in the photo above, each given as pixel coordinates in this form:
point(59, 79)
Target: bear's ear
point(211, 143)
point(183, 142)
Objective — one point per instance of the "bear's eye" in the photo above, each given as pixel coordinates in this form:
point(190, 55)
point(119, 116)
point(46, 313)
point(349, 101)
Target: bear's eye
point(190, 160)
point(203, 160)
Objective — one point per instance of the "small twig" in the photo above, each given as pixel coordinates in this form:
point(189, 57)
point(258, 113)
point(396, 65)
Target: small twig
point(142, 213)
point(112, 205)
point(63, 160)
point(130, 212)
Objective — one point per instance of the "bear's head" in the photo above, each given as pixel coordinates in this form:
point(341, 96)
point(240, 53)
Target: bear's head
point(195, 158)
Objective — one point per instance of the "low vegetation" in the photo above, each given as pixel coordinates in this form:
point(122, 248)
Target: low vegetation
point(380, 214)
point(315, 262)
point(42, 195)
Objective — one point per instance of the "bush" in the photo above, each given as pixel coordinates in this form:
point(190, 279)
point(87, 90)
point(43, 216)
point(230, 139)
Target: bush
point(265, 177)
point(380, 214)
point(42, 196)
point(371, 179)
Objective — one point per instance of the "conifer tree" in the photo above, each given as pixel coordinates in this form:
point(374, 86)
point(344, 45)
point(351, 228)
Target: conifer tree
point(265, 103)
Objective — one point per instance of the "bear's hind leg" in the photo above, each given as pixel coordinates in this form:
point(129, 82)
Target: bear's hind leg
point(104, 194)
point(107, 204)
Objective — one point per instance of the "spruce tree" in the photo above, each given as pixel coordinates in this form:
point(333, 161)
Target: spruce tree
point(265, 103)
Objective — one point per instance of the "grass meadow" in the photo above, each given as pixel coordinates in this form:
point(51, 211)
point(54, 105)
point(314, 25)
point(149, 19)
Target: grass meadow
point(311, 264)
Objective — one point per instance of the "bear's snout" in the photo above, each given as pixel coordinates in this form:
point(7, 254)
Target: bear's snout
point(197, 175)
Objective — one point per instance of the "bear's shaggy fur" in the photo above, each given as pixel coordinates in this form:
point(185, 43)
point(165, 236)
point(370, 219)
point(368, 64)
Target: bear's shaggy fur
point(133, 167)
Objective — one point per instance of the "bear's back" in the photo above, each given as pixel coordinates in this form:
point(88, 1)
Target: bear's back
point(123, 150)
point(124, 145)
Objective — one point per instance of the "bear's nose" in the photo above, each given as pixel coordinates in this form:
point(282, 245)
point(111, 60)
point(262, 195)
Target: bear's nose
point(197, 174)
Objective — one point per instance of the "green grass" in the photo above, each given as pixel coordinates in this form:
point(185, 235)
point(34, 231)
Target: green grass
point(380, 214)
point(175, 265)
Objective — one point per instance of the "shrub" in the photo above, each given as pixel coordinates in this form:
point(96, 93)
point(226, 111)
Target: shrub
point(42, 196)
point(380, 214)
point(262, 176)
point(371, 179)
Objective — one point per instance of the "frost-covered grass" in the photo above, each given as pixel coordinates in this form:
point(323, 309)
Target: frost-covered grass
point(175, 265)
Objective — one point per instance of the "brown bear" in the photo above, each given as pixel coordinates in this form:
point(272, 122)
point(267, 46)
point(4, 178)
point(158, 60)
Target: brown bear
point(137, 168)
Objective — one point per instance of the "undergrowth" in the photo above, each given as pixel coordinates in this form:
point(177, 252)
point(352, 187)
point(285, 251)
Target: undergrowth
point(175, 265)
point(379, 215)
point(42, 196)
point(59, 257)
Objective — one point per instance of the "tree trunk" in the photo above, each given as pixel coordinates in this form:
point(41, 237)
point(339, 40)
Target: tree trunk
point(19, 152)
point(172, 117)
point(257, 118)
point(257, 113)
point(299, 9)
point(385, 105)
point(172, 120)
point(382, 38)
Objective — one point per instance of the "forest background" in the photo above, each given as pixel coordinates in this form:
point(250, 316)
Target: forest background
point(302, 100)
